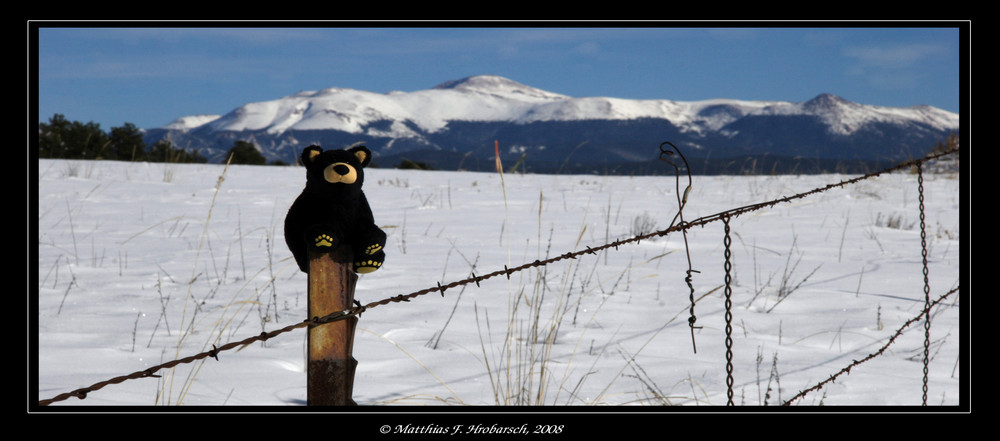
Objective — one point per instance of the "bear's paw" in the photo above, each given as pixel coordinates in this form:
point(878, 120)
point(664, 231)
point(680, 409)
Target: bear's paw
point(366, 266)
point(323, 241)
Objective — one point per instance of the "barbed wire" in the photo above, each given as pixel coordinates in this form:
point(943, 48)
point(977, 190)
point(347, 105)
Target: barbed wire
point(357, 310)
point(847, 370)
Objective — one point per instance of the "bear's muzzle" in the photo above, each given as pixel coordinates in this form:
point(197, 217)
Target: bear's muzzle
point(340, 173)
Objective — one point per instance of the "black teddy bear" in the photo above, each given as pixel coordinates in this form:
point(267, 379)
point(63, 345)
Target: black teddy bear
point(332, 210)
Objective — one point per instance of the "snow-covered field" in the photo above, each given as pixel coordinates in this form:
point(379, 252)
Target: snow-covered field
point(140, 263)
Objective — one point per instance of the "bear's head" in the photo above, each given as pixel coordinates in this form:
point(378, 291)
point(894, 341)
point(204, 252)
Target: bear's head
point(336, 173)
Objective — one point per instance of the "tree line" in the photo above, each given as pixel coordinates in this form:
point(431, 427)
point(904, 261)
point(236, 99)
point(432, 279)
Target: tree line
point(60, 138)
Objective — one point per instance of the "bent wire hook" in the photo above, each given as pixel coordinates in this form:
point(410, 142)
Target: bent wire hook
point(665, 155)
point(681, 200)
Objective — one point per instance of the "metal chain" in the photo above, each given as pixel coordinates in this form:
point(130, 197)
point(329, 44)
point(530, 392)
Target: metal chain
point(927, 287)
point(727, 241)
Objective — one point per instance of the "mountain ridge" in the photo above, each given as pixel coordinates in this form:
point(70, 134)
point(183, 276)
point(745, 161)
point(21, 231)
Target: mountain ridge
point(543, 125)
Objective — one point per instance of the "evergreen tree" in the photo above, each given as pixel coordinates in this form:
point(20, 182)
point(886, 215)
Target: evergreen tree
point(246, 153)
point(61, 138)
point(164, 151)
point(126, 144)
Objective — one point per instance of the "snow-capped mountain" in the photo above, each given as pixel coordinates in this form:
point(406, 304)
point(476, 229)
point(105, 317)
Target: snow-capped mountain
point(456, 124)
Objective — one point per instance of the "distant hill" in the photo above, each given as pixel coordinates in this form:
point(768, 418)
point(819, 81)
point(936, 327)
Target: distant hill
point(455, 125)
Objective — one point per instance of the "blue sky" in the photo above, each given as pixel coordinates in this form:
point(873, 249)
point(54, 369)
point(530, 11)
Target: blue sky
point(150, 76)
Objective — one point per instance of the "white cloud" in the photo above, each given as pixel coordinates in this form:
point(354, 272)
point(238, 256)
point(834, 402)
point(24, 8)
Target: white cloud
point(898, 67)
point(894, 57)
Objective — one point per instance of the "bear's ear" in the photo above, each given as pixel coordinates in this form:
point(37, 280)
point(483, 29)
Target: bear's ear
point(310, 153)
point(362, 153)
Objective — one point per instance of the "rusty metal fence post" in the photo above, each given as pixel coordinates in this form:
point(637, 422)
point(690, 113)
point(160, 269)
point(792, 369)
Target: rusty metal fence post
point(331, 365)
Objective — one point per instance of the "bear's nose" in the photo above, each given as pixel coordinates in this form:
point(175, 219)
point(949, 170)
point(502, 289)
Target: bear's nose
point(341, 169)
